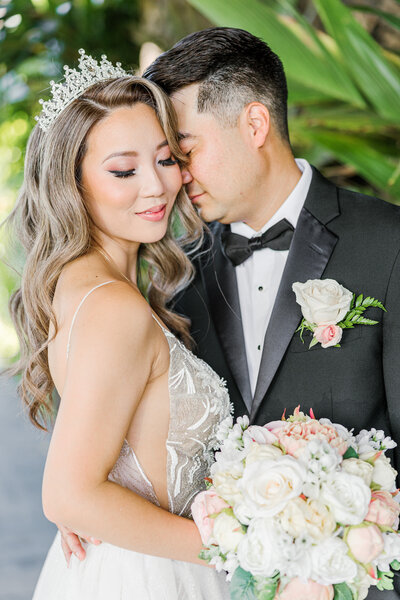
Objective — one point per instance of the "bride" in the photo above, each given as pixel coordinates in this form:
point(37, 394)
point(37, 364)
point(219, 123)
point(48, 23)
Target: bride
point(135, 430)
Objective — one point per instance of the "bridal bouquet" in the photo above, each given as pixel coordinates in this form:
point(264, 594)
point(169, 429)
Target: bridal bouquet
point(300, 509)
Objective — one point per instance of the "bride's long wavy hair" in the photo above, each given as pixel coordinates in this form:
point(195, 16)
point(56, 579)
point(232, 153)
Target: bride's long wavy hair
point(54, 227)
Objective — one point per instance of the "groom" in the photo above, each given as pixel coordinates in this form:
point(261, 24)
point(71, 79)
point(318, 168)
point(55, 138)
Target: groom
point(229, 91)
point(275, 220)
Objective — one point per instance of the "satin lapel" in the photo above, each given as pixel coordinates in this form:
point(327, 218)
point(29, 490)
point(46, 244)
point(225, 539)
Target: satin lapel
point(311, 248)
point(219, 279)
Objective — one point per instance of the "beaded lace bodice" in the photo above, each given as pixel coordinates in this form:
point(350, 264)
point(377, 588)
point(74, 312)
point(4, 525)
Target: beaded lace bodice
point(199, 401)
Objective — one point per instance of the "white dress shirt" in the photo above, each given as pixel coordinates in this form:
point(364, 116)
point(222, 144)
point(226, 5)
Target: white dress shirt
point(259, 276)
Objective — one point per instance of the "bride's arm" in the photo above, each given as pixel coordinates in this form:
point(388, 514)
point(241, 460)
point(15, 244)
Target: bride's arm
point(113, 355)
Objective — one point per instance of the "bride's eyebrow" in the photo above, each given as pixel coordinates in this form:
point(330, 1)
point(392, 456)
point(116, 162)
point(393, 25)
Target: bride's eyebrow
point(185, 136)
point(132, 152)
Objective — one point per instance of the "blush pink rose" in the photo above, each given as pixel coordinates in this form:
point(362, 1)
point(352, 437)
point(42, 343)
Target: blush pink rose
point(295, 436)
point(365, 543)
point(328, 335)
point(383, 509)
point(297, 589)
point(205, 504)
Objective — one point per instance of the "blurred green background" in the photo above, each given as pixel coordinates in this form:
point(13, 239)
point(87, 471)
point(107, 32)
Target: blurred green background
point(342, 60)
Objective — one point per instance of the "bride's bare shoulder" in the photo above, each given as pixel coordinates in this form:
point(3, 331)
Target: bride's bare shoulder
point(114, 299)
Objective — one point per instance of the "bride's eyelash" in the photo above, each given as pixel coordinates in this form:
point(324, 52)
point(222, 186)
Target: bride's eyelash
point(122, 174)
point(168, 162)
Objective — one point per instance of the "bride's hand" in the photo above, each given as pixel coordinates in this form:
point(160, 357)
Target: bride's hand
point(71, 543)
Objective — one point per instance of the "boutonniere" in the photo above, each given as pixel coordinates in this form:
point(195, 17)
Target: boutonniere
point(328, 308)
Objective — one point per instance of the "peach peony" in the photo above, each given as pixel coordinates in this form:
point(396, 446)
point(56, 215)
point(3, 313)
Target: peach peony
point(383, 509)
point(297, 589)
point(365, 543)
point(295, 436)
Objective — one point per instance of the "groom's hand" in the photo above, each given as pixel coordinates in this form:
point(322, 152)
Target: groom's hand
point(71, 543)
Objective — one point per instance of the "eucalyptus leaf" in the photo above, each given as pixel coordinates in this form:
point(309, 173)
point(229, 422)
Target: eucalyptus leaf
point(342, 592)
point(265, 588)
point(242, 585)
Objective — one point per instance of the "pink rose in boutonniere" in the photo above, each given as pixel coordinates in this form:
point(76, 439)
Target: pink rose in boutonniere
point(328, 308)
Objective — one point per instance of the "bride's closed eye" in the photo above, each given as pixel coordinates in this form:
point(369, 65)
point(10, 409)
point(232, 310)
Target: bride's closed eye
point(122, 174)
point(168, 162)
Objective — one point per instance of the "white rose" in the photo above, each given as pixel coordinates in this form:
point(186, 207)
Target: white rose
point(331, 562)
point(384, 474)
point(227, 532)
point(262, 451)
point(358, 467)
point(322, 301)
point(347, 496)
point(267, 485)
point(391, 551)
point(226, 485)
point(257, 549)
point(309, 516)
point(244, 512)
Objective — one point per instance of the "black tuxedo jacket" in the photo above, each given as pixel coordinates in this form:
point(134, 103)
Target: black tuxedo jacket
point(341, 235)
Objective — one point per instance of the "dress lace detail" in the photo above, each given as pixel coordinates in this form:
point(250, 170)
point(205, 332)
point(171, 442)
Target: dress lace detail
point(199, 401)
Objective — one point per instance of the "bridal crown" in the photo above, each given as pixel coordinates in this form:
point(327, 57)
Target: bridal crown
point(75, 83)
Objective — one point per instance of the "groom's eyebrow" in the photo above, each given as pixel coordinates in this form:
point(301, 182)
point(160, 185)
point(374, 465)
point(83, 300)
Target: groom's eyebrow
point(133, 152)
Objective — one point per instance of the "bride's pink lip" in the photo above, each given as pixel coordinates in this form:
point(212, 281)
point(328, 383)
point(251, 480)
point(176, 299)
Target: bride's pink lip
point(155, 213)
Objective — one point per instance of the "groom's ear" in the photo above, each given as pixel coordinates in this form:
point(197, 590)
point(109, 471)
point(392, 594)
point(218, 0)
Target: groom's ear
point(257, 122)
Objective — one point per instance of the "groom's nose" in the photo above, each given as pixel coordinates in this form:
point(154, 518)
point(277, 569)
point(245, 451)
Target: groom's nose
point(186, 176)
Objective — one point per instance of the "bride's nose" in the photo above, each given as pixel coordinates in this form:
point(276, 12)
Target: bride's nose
point(152, 184)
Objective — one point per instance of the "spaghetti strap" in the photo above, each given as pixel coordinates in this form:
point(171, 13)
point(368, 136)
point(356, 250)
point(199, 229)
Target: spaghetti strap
point(79, 306)
point(165, 330)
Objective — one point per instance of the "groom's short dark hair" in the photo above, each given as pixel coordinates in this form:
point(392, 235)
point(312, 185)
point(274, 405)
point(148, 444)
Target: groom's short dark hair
point(232, 68)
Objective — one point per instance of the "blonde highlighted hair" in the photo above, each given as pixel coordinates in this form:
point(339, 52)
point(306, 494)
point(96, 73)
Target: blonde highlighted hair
point(54, 227)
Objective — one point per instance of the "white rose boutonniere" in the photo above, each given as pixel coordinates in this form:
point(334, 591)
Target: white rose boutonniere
point(328, 308)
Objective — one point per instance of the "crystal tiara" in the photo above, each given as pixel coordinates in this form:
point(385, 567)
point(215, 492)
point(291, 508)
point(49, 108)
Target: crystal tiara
point(74, 84)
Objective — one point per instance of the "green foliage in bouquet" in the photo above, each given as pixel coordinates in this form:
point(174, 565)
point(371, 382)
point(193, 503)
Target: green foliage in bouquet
point(342, 592)
point(244, 586)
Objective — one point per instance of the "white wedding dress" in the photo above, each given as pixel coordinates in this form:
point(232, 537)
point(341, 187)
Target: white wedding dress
point(198, 402)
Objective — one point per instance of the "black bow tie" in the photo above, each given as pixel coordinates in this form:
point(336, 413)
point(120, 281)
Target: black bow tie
point(239, 248)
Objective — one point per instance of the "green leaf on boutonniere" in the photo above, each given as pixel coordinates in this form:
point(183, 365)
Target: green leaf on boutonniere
point(242, 585)
point(373, 302)
point(359, 299)
point(313, 342)
point(350, 453)
point(364, 321)
point(342, 592)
